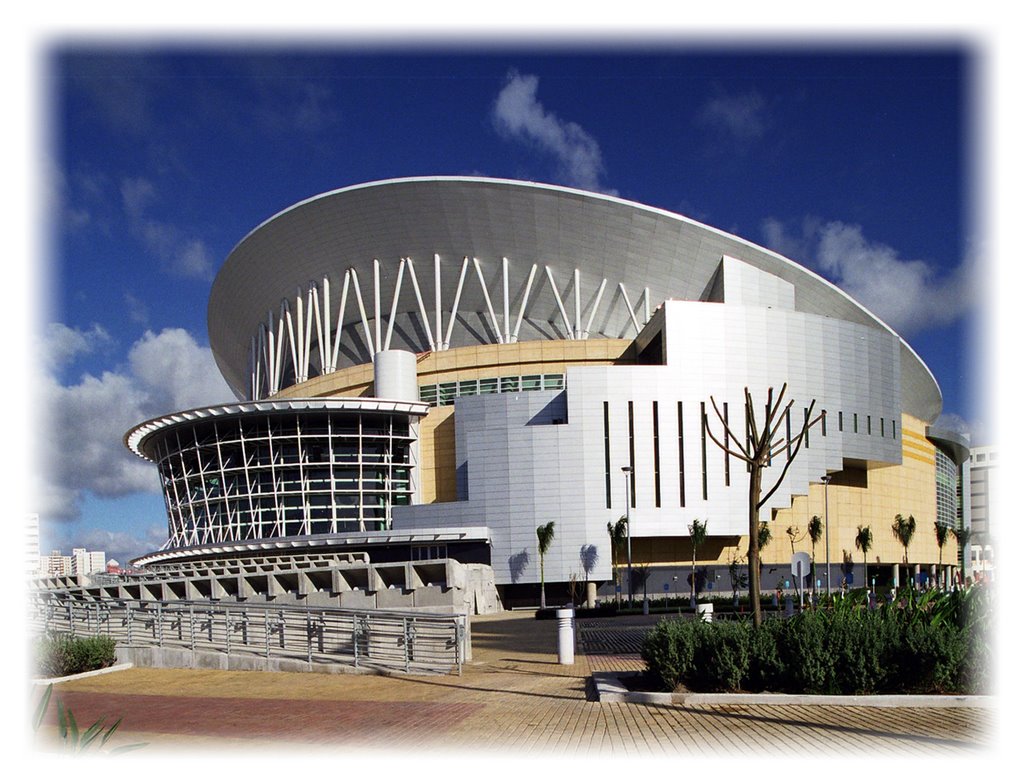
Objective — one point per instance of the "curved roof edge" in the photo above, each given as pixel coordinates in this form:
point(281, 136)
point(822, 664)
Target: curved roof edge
point(958, 445)
point(135, 438)
point(312, 542)
point(605, 197)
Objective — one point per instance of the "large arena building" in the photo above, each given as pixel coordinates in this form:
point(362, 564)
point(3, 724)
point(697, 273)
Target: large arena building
point(431, 368)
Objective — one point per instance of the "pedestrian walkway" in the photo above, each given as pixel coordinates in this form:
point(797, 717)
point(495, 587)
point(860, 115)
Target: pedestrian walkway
point(514, 697)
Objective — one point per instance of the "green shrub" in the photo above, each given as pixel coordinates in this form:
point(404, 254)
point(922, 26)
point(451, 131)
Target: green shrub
point(767, 668)
point(721, 657)
point(668, 650)
point(923, 644)
point(63, 655)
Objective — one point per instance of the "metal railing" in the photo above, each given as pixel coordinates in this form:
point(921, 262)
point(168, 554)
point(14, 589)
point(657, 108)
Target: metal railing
point(410, 642)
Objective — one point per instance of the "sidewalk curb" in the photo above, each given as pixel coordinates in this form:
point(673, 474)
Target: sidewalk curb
point(86, 675)
point(610, 689)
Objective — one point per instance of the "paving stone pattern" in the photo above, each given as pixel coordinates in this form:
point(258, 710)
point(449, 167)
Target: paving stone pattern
point(513, 697)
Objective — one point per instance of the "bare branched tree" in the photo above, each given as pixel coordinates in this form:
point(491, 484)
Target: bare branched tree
point(759, 446)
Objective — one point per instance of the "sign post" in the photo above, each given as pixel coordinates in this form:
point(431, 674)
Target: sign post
point(800, 566)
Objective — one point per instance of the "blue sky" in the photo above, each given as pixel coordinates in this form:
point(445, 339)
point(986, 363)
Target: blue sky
point(853, 160)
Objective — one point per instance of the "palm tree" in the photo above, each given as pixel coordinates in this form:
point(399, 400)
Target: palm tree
point(698, 534)
point(545, 534)
point(864, 540)
point(617, 533)
point(941, 536)
point(903, 530)
point(814, 530)
point(963, 537)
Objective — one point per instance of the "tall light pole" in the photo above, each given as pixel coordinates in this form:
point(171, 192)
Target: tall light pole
point(628, 472)
point(828, 564)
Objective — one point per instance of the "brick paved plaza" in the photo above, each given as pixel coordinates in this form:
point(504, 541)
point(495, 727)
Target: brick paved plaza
point(513, 698)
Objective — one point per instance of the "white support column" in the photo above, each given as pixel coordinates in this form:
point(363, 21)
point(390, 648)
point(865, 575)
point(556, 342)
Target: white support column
point(522, 304)
point(647, 305)
point(341, 322)
point(324, 317)
point(419, 300)
point(629, 307)
point(311, 297)
point(253, 367)
point(317, 316)
point(278, 362)
point(300, 337)
point(505, 319)
point(576, 296)
point(487, 301)
point(376, 309)
point(362, 313)
point(455, 306)
point(286, 316)
point(394, 304)
point(437, 302)
point(593, 309)
point(558, 300)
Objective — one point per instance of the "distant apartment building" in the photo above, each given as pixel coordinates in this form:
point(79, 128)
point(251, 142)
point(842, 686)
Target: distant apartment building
point(55, 564)
point(80, 563)
point(984, 466)
point(85, 562)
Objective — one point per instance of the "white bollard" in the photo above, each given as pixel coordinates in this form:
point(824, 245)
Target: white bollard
point(566, 639)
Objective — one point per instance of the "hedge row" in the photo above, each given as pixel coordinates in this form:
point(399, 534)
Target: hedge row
point(841, 652)
point(63, 655)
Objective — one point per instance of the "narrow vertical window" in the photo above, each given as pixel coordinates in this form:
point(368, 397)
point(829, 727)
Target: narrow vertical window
point(703, 451)
point(632, 460)
point(657, 459)
point(881, 427)
point(840, 420)
point(895, 431)
point(855, 423)
point(824, 417)
point(869, 424)
point(682, 474)
point(607, 460)
point(789, 436)
point(725, 438)
point(807, 430)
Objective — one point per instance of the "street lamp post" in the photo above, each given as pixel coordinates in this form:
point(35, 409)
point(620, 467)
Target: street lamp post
point(828, 564)
point(628, 472)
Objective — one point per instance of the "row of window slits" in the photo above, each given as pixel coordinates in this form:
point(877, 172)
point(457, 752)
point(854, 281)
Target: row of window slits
point(791, 427)
point(443, 394)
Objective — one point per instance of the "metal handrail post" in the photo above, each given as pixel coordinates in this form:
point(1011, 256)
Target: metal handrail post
point(405, 632)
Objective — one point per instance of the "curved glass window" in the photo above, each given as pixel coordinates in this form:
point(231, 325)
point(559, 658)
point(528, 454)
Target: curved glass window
point(272, 474)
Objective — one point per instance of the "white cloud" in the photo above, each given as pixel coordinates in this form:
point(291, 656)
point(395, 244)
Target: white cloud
point(61, 344)
point(741, 116)
point(180, 254)
point(908, 294)
point(82, 450)
point(136, 195)
point(518, 114)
